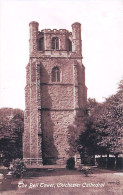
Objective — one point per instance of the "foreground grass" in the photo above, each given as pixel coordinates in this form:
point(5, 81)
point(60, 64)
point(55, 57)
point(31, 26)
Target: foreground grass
point(63, 182)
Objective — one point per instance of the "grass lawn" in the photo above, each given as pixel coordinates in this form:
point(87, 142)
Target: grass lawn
point(60, 181)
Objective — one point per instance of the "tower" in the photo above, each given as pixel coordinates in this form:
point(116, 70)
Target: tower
point(55, 91)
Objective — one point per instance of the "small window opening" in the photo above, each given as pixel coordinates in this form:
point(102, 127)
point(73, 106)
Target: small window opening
point(56, 75)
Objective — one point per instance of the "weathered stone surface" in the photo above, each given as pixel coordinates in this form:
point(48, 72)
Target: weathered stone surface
point(51, 106)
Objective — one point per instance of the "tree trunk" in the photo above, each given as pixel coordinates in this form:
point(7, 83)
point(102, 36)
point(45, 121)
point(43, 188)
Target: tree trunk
point(94, 160)
point(107, 160)
point(101, 161)
point(115, 162)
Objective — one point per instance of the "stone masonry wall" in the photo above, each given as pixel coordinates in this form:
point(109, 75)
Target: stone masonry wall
point(55, 135)
point(52, 107)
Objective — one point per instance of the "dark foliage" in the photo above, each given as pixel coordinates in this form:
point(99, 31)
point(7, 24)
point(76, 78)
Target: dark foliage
point(103, 130)
point(70, 163)
point(11, 129)
point(18, 168)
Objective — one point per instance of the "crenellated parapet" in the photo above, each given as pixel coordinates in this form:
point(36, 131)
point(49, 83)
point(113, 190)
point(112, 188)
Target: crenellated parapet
point(55, 31)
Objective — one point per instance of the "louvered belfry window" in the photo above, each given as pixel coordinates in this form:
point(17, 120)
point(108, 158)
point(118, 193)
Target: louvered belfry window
point(69, 45)
point(55, 43)
point(41, 44)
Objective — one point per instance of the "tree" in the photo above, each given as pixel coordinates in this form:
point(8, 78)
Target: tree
point(103, 124)
point(88, 140)
point(11, 129)
point(110, 123)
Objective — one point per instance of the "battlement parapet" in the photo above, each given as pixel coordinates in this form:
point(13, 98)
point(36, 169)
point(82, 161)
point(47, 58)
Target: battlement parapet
point(55, 31)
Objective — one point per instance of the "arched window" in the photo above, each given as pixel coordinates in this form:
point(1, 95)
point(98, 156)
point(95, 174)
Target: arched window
point(41, 44)
point(55, 74)
point(55, 43)
point(69, 45)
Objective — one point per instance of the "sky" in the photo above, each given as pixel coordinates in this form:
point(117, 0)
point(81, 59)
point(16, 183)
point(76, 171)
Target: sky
point(102, 42)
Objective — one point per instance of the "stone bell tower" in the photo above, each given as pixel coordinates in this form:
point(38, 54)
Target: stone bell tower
point(55, 91)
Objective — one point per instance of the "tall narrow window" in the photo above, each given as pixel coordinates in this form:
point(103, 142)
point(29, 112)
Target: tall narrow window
point(55, 43)
point(41, 44)
point(69, 45)
point(55, 74)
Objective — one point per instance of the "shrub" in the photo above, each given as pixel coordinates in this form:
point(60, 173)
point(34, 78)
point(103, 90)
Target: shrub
point(6, 163)
point(18, 168)
point(70, 163)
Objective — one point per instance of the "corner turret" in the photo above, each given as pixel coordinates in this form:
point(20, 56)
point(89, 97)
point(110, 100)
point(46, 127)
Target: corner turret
point(33, 45)
point(76, 34)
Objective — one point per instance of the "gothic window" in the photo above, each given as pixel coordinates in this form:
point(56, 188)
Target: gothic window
point(55, 43)
point(41, 44)
point(69, 45)
point(55, 74)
